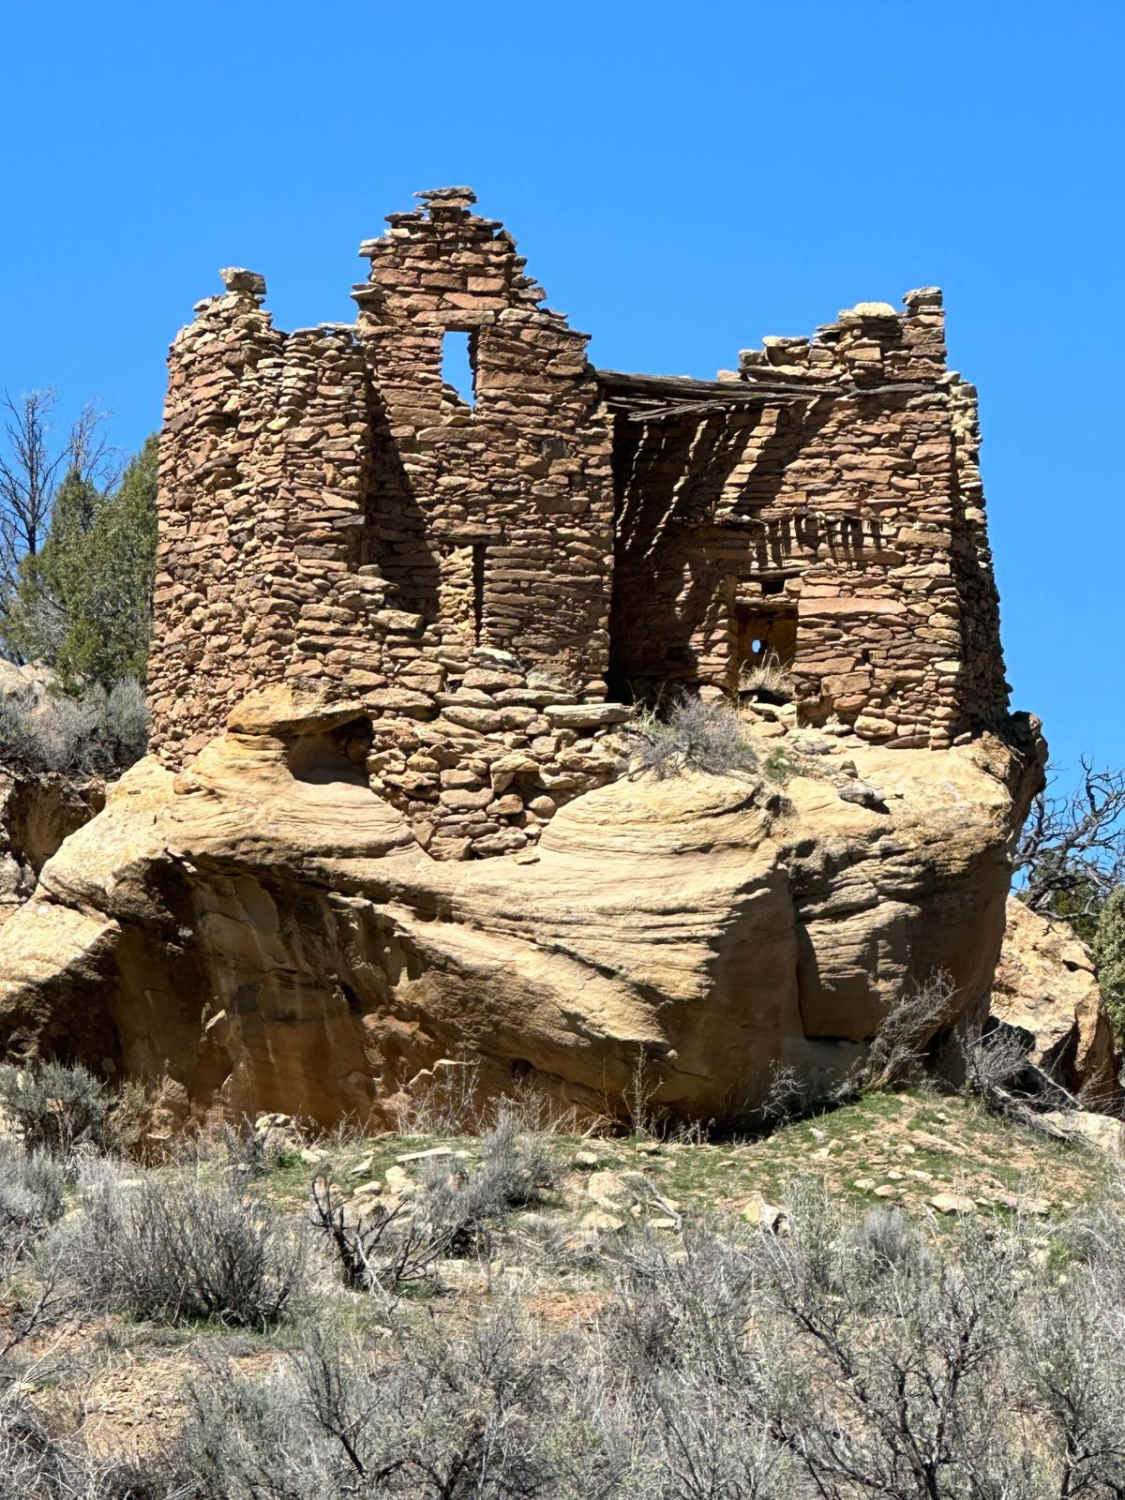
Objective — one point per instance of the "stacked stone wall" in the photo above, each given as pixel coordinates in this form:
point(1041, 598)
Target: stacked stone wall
point(478, 575)
point(513, 494)
point(853, 515)
point(335, 516)
point(263, 467)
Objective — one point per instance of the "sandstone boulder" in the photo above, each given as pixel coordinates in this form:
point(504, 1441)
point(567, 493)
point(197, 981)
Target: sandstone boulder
point(268, 931)
point(38, 810)
point(1102, 1132)
point(1045, 985)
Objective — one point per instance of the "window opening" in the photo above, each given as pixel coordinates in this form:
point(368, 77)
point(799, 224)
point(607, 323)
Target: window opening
point(478, 590)
point(458, 365)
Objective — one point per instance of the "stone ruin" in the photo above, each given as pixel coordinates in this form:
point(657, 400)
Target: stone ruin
point(494, 576)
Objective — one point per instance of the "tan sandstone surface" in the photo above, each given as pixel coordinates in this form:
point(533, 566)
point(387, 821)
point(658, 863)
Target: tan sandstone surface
point(265, 929)
point(1046, 986)
point(38, 810)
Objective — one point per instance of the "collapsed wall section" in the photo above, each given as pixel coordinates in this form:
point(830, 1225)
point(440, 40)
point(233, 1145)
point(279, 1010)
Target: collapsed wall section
point(822, 509)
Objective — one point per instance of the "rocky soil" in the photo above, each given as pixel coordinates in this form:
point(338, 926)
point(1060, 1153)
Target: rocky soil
point(938, 1159)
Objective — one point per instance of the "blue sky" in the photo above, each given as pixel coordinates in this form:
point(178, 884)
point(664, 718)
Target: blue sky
point(683, 179)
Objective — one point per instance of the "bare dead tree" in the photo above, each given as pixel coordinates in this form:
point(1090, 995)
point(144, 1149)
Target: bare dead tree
point(1072, 848)
point(32, 468)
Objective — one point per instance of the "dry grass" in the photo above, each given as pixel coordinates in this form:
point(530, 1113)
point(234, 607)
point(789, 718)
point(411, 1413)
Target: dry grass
point(767, 676)
point(693, 734)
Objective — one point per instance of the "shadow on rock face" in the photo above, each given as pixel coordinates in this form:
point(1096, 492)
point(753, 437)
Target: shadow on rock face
point(332, 755)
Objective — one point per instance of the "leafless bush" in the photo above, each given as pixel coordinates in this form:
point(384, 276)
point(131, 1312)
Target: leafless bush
point(999, 1072)
point(898, 1049)
point(706, 736)
point(379, 1249)
point(388, 1249)
point(793, 1095)
point(180, 1251)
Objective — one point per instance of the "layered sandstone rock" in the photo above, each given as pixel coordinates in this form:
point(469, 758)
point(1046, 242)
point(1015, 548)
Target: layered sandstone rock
point(266, 930)
point(1046, 986)
point(38, 810)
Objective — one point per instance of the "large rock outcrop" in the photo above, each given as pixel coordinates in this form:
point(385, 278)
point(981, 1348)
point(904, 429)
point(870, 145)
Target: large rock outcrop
point(1046, 986)
point(266, 930)
point(38, 810)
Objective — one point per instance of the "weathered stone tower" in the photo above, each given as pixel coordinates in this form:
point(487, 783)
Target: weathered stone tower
point(485, 576)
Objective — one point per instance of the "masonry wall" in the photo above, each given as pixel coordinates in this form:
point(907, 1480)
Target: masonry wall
point(332, 514)
point(480, 576)
point(263, 463)
point(847, 529)
point(516, 489)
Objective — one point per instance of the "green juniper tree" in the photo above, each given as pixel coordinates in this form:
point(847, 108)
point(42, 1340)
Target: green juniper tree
point(82, 601)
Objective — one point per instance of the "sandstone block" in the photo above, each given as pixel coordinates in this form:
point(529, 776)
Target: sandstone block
point(586, 715)
point(463, 798)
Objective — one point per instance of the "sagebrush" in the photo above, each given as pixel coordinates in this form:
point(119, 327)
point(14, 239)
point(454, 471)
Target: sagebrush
point(181, 1251)
point(55, 1106)
point(93, 731)
point(708, 736)
point(840, 1359)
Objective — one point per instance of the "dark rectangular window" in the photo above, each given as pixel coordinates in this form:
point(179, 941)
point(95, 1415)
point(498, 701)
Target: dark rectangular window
point(478, 590)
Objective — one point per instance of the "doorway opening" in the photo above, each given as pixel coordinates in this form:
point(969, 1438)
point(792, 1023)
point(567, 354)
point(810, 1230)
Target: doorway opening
point(763, 645)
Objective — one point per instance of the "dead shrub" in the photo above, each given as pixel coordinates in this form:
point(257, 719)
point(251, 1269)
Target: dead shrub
point(898, 1051)
point(704, 736)
point(379, 1249)
point(382, 1249)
